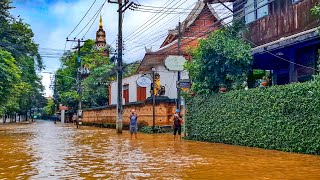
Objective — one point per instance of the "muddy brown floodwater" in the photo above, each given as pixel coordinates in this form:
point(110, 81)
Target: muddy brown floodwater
point(44, 150)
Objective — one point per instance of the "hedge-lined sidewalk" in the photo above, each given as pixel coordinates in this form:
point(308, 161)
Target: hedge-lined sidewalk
point(285, 118)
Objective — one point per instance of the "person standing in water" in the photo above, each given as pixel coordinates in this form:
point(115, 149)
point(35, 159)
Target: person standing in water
point(177, 121)
point(133, 123)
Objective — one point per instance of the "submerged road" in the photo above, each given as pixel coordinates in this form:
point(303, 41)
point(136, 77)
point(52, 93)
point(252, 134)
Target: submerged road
point(44, 150)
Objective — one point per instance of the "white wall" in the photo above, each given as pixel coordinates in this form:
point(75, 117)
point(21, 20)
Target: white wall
point(168, 79)
point(132, 88)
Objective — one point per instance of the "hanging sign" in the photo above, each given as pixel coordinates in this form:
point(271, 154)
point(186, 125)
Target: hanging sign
point(143, 81)
point(175, 63)
point(84, 71)
point(184, 84)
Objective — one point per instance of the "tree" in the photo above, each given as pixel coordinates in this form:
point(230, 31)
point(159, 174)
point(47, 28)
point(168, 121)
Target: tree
point(101, 72)
point(223, 59)
point(16, 37)
point(49, 109)
point(10, 74)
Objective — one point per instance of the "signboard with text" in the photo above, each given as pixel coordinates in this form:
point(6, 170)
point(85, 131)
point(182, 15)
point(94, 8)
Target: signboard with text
point(184, 84)
point(143, 81)
point(175, 63)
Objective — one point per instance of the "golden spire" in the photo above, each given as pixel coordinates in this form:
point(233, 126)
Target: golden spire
point(100, 21)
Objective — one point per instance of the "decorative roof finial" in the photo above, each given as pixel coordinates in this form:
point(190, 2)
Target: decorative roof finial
point(100, 21)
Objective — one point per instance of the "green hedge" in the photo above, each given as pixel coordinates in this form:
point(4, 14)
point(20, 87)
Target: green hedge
point(285, 118)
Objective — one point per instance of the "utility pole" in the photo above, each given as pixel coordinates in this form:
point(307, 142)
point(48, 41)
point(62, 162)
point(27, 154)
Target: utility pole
point(179, 73)
point(79, 62)
point(53, 86)
point(121, 10)
point(153, 100)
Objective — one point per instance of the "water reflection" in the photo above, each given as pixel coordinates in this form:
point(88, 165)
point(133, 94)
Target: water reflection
point(53, 151)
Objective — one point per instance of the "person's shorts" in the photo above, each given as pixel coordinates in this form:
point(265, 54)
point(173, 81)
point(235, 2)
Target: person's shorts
point(177, 129)
point(133, 128)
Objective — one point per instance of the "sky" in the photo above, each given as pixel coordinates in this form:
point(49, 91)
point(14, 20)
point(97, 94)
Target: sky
point(53, 20)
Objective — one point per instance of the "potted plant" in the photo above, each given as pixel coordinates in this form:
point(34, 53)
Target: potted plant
point(192, 94)
point(222, 88)
point(265, 81)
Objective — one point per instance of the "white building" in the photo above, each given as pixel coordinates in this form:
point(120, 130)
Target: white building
point(202, 18)
point(133, 93)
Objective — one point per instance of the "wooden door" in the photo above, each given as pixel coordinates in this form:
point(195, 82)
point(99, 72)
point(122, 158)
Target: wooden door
point(141, 93)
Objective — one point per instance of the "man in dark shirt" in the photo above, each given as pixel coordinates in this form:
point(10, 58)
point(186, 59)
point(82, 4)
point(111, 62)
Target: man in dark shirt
point(177, 121)
point(133, 123)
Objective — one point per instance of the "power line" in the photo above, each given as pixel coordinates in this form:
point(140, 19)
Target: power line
point(219, 24)
point(148, 20)
point(82, 18)
point(93, 22)
point(99, 10)
point(164, 25)
point(172, 20)
point(153, 22)
point(281, 58)
point(149, 43)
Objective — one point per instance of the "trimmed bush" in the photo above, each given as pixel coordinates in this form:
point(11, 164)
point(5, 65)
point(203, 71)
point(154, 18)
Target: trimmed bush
point(285, 118)
point(146, 129)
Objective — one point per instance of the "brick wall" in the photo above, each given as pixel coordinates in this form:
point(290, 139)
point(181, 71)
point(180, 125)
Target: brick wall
point(164, 113)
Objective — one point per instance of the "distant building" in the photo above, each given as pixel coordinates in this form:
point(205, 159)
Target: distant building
point(202, 18)
point(101, 43)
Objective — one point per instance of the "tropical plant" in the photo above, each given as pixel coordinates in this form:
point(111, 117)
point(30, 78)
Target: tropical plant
point(223, 58)
point(49, 109)
point(316, 10)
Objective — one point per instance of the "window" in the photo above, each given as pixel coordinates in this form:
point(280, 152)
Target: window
point(255, 9)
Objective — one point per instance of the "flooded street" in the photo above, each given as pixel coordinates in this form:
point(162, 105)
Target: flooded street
point(44, 150)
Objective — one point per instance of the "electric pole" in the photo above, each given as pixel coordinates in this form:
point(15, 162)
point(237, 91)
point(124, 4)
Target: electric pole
point(179, 73)
point(153, 100)
point(79, 70)
point(121, 10)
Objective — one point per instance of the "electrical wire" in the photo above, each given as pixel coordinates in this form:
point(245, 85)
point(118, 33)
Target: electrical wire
point(93, 22)
point(99, 10)
point(281, 58)
point(147, 21)
point(163, 25)
point(151, 43)
point(195, 11)
point(153, 22)
point(82, 18)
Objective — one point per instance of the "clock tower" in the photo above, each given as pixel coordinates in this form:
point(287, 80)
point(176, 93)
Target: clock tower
point(101, 37)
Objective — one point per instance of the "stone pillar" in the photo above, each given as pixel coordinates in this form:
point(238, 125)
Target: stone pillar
point(62, 116)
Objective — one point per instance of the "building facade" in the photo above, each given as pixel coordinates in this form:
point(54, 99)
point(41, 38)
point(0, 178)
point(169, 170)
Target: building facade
point(283, 34)
point(203, 18)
